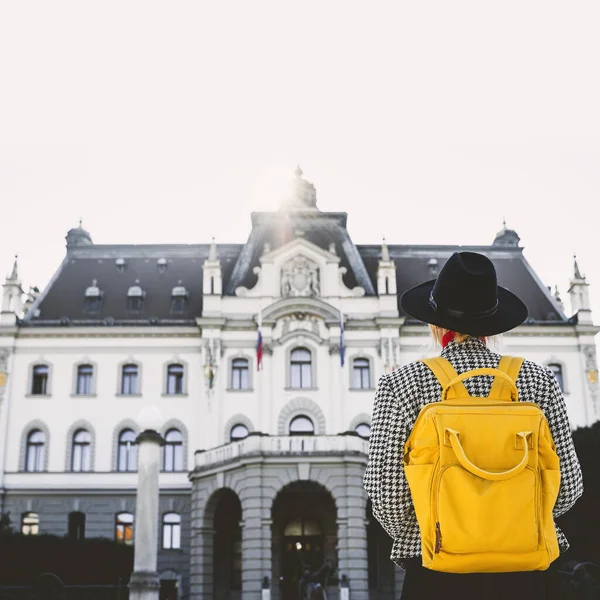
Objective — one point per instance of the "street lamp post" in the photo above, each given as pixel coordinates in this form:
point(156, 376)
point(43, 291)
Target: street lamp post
point(144, 583)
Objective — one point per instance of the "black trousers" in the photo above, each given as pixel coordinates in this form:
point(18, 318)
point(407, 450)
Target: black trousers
point(421, 584)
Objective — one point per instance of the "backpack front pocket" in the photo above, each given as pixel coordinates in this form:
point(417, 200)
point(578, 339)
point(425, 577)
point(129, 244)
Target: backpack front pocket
point(465, 523)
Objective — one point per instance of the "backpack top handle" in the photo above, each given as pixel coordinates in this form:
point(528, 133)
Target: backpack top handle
point(514, 394)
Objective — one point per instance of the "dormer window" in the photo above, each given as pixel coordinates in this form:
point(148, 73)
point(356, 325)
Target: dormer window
point(179, 297)
point(120, 264)
point(135, 297)
point(93, 298)
point(433, 267)
point(161, 264)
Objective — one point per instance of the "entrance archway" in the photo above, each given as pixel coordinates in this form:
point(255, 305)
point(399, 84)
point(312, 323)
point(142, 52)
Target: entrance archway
point(227, 546)
point(304, 533)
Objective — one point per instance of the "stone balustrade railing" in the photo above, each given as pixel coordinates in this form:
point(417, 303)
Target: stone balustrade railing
point(282, 445)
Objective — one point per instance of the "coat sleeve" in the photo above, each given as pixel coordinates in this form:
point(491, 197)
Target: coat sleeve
point(384, 478)
point(571, 480)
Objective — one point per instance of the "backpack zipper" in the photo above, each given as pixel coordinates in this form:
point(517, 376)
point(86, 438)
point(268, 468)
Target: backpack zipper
point(438, 538)
point(438, 530)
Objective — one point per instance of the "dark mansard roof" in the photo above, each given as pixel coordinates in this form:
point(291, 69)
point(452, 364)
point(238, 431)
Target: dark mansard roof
point(63, 302)
point(112, 270)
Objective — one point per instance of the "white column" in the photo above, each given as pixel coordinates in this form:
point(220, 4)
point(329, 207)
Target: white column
point(144, 583)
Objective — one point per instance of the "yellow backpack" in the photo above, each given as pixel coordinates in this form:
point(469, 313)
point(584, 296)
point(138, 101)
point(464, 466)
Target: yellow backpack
point(484, 476)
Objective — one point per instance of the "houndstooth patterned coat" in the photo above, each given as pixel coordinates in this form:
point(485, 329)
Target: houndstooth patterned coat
point(400, 397)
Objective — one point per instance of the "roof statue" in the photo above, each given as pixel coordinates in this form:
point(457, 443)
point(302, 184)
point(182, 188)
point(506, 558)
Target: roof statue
point(385, 251)
point(213, 255)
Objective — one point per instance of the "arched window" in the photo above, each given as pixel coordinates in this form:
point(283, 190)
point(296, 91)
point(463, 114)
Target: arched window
point(36, 451)
point(363, 430)
point(85, 374)
point(173, 451)
point(127, 457)
point(39, 380)
point(129, 379)
point(124, 528)
point(238, 432)
point(302, 425)
point(30, 523)
point(558, 373)
point(300, 368)
point(77, 525)
point(171, 531)
point(81, 459)
point(239, 374)
point(361, 374)
point(175, 379)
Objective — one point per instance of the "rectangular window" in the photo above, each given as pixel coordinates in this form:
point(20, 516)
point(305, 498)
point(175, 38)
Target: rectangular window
point(301, 376)
point(39, 384)
point(175, 379)
point(124, 528)
point(239, 374)
point(129, 381)
point(361, 378)
point(84, 380)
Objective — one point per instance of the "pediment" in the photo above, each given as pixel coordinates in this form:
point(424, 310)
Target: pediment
point(299, 246)
point(302, 309)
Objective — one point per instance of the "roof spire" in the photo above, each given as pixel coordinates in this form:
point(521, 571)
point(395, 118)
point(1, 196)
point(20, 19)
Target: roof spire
point(80, 222)
point(385, 251)
point(298, 172)
point(576, 271)
point(212, 253)
point(15, 270)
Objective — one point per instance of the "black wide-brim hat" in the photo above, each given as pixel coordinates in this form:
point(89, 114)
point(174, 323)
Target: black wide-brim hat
point(466, 298)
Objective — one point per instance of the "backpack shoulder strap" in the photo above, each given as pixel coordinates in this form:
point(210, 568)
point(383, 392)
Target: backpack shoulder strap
point(445, 373)
point(511, 365)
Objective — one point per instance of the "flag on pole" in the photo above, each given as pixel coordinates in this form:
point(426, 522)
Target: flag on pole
point(342, 348)
point(259, 350)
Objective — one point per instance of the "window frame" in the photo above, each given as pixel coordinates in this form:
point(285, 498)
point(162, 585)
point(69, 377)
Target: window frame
point(40, 457)
point(92, 378)
point(121, 380)
point(233, 368)
point(291, 363)
point(369, 360)
point(129, 450)
point(301, 433)
point(24, 516)
point(168, 366)
point(30, 388)
point(174, 446)
point(82, 448)
point(170, 527)
point(231, 440)
point(126, 525)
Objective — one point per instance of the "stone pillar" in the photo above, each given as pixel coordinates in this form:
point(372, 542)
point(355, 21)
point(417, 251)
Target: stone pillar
point(144, 583)
point(256, 536)
point(352, 534)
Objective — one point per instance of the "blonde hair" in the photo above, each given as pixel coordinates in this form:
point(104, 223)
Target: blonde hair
point(439, 332)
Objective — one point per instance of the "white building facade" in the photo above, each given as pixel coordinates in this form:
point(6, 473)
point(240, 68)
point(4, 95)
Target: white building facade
point(261, 469)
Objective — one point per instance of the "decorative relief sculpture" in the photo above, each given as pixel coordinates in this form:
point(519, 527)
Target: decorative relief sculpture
point(300, 278)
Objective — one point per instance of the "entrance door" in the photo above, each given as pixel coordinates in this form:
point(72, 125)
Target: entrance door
point(168, 589)
point(302, 551)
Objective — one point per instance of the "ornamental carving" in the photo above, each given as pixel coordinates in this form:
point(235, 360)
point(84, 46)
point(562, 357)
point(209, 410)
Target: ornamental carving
point(300, 278)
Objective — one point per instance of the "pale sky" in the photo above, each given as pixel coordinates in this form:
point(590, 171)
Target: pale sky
point(428, 122)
